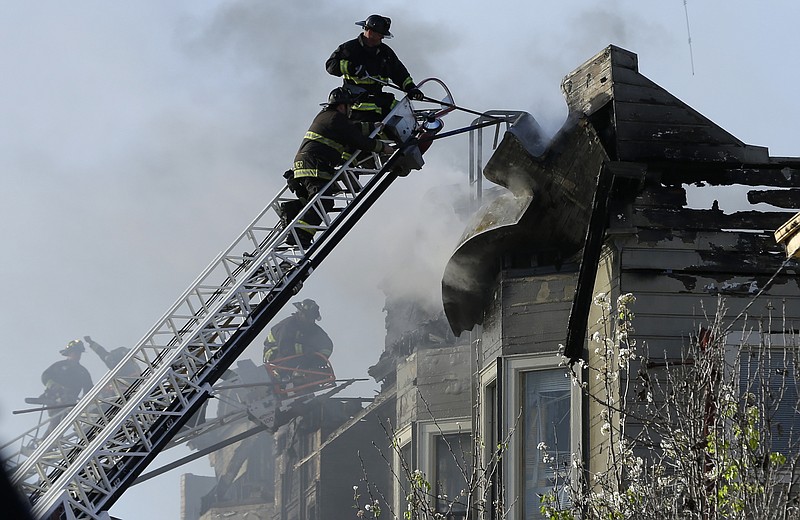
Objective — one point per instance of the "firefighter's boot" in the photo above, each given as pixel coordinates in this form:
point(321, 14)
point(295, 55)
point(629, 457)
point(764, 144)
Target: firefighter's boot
point(304, 238)
point(288, 211)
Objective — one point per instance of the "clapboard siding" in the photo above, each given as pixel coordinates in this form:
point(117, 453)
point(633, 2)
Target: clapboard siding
point(535, 311)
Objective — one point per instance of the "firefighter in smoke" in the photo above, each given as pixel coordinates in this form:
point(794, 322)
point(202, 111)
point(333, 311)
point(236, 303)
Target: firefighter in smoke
point(300, 336)
point(330, 136)
point(111, 358)
point(64, 382)
point(366, 64)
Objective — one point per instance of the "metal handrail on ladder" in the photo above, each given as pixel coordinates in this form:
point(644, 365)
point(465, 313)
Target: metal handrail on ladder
point(506, 117)
point(118, 427)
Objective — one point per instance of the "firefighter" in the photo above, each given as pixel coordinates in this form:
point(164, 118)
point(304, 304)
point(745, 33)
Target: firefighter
point(64, 382)
point(329, 138)
point(112, 358)
point(365, 64)
point(299, 335)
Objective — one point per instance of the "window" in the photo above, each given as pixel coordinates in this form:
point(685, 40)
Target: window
point(545, 419)
point(452, 473)
point(538, 411)
point(446, 454)
point(403, 461)
point(488, 431)
point(768, 375)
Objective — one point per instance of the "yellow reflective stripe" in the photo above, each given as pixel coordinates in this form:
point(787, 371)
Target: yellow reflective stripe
point(298, 348)
point(344, 66)
point(313, 136)
point(311, 172)
point(359, 81)
point(271, 338)
point(367, 107)
point(309, 230)
point(407, 82)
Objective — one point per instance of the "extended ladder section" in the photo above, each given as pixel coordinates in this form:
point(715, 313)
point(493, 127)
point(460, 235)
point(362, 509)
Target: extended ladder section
point(109, 437)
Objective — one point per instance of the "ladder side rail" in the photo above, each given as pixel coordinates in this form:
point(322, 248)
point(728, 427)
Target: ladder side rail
point(136, 424)
point(271, 307)
point(15, 449)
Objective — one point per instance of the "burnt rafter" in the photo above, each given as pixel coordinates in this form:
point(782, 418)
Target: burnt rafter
point(777, 173)
point(788, 198)
point(706, 219)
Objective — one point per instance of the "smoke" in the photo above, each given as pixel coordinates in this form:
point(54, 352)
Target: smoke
point(422, 243)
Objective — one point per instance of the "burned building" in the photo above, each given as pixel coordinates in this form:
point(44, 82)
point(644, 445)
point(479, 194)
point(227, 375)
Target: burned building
point(599, 208)
point(603, 209)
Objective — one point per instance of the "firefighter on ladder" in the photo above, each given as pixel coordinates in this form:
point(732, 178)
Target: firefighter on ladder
point(366, 64)
point(64, 382)
point(299, 339)
point(327, 142)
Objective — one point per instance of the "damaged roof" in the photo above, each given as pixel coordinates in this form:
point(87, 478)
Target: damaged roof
point(643, 139)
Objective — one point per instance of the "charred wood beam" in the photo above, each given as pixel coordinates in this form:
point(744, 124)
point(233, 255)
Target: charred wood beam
point(662, 196)
point(736, 262)
point(784, 174)
point(593, 245)
point(706, 219)
point(789, 199)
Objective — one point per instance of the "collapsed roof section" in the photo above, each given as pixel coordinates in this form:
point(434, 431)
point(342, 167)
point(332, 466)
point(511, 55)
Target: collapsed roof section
point(544, 213)
point(625, 129)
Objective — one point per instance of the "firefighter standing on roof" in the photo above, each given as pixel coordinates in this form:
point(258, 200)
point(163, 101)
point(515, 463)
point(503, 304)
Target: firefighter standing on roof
point(330, 135)
point(365, 64)
point(299, 335)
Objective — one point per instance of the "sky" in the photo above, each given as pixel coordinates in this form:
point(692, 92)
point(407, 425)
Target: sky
point(138, 139)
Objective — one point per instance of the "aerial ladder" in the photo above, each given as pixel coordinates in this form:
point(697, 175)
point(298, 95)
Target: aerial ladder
point(109, 437)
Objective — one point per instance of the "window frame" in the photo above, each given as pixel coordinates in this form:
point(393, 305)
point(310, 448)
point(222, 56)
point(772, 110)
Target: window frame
point(782, 344)
point(404, 437)
point(514, 368)
point(489, 420)
point(427, 432)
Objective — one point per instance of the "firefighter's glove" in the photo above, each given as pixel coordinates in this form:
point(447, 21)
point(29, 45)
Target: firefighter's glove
point(416, 94)
point(291, 182)
point(294, 185)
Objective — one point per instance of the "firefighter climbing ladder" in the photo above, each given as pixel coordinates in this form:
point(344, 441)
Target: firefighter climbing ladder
point(105, 442)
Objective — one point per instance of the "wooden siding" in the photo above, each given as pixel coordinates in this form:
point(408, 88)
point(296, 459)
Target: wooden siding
point(535, 312)
point(435, 381)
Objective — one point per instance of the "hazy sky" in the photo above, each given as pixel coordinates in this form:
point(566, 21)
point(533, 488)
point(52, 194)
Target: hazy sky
point(137, 139)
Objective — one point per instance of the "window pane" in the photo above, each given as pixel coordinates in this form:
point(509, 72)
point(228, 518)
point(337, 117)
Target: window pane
point(406, 465)
point(491, 434)
point(453, 470)
point(546, 418)
point(769, 376)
